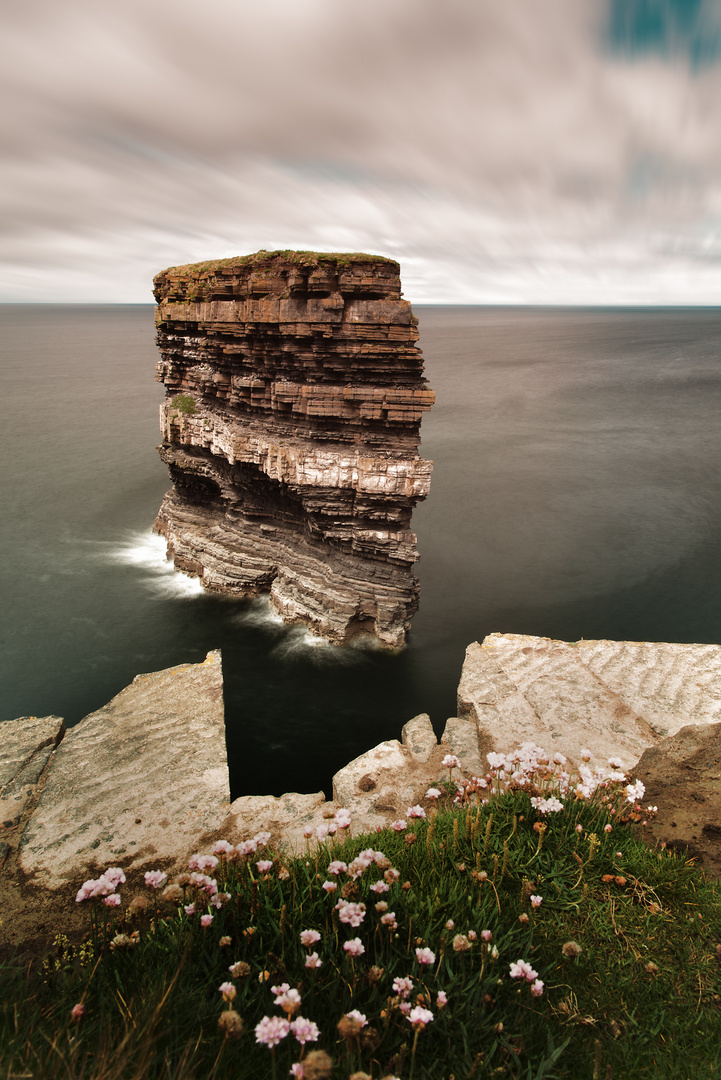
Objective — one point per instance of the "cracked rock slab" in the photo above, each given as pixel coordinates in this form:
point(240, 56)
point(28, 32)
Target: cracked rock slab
point(139, 781)
point(27, 744)
point(615, 698)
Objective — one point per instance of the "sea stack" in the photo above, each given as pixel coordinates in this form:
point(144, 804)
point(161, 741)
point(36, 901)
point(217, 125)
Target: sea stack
point(291, 427)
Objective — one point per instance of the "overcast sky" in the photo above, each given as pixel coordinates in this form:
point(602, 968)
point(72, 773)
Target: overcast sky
point(522, 151)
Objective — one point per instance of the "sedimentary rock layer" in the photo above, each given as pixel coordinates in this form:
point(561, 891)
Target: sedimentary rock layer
point(291, 430)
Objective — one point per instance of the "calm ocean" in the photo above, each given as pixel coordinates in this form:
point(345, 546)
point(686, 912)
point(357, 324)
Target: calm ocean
point(576, 493)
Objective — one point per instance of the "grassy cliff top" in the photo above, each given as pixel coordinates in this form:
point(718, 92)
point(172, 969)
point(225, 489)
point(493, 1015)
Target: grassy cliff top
point(261, 258)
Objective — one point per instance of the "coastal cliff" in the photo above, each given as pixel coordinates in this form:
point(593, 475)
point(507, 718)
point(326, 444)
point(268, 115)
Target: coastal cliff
point(291, 429)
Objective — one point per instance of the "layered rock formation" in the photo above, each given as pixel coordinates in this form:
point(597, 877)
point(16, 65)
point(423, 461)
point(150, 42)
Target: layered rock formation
point(291, 430)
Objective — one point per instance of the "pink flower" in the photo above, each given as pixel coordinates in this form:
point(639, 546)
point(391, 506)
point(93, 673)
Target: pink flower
point(246, 847)
point(419, 1017)
point(308, 832)
point(399, 825)
point(304, 1030)
point(536, 901)
point(227, 990)
point(472, 935)
point(309, 937)
point(537, 988)
point(403, 987)
point(261, 838)
point(405, 1007)
point(486, 935)
point(360, 864)
point(450, 761)
point(321, 832)
point(114, 875)
point(78, 1011)
point(522, 970)
point(288, 1001)
point(425, 956)
point(271, 1030)
point(337, 867)
point(607, 828)
point(433, 793)
point(296, 1070)
point(342, 818)
point(264, 866)
point(350, 913)
point(312, 960)
point(113, 900)
point(206, 920)
point(354, 947)
point(102, 886)
point(155, 878)
point(441, 999)
point(579, 828)
point(389, 920)
point(329, 886)
point(416, 811)
point(202, 862)
point(222, 848)
point(189, 909)
point(380, 887)
point(202, 881)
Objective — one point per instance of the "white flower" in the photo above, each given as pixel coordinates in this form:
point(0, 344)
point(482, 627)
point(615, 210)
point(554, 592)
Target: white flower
point(635, 792)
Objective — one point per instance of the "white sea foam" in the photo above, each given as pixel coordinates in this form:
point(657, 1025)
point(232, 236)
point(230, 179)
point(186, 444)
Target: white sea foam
point(300, 643)
point(147, 552)
point(260, 612)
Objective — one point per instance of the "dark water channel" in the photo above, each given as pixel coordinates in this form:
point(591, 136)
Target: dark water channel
point(576, 493)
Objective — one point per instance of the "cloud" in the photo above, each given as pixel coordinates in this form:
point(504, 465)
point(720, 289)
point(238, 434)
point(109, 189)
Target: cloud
point(518, 152)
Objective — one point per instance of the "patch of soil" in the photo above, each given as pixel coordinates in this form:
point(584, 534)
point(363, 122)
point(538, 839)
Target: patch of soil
point(682, 775)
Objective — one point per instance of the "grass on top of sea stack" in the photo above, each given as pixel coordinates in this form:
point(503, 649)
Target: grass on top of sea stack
point(515, 926)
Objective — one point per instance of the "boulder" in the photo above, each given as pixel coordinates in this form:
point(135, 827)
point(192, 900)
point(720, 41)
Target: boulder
point(419, 737)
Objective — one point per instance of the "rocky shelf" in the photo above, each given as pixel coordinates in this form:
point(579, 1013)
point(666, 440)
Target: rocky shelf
point(291, 427)
point(143, 782)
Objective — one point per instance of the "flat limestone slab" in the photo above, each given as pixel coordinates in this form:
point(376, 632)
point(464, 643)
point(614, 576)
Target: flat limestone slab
point(139, 781)
point(555, 693)
point(671, 685)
